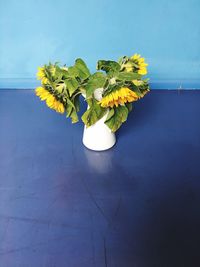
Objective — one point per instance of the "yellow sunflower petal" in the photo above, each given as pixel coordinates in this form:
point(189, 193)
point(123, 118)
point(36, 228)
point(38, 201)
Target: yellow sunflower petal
point(142, 71)
point(45, 80)
point(40, 73)
point(135, 56)
point(141, 60)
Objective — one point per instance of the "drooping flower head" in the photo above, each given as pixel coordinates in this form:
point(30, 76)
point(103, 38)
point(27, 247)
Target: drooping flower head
point(45, 72)
point(140, 62)
point(136, 64)
point(50, 99)
point(118, 97)
point(41, 75)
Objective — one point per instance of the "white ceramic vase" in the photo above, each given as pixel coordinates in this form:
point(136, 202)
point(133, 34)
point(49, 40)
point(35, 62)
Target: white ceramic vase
point(98, 136)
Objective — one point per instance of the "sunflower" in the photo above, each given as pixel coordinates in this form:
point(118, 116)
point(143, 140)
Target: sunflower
point(50, 99)
point(41, 75)
point(140, 63)
point(45, 80)
point(119, 97)
point(128, 66)
point(136, 63)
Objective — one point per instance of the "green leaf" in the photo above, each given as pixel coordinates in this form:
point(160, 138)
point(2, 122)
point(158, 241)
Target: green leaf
point(77, 102)
point(73, 72)
point(110, 114)
point(65, 74)
point(108, 66)
point(69, 102)
point(137, 90)
point(71, 111)
point(120, 116)
point(72, 85)
point(129, 106)
point(127, 76)
point(93, 114)
point(97, 80)
point(58, 74)
point(74, 116)
point(83, 71)
point(123, 60)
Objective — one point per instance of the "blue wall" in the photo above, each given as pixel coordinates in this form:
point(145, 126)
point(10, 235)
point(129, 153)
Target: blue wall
point(33, 32)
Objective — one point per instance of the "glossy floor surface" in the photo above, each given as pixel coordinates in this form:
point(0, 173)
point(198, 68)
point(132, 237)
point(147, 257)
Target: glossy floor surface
point(136, 205)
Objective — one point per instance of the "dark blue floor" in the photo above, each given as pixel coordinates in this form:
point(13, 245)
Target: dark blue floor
point(136, 205)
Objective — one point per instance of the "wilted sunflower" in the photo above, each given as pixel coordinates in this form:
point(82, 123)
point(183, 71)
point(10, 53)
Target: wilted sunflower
point(41, 75)
point(119, 97)
point(50, 99)
point(136, 63)
point(140, 62)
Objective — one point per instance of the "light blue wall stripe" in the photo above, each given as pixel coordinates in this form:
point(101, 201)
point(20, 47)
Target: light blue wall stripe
point(166, 33)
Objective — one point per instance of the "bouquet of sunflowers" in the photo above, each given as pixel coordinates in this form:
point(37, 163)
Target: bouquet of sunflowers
point(121, 83)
